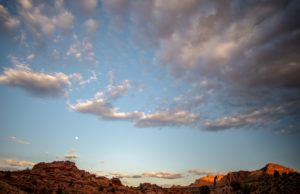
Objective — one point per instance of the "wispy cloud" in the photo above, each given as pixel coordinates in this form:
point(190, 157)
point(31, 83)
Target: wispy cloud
point(163, 175)
point(159, 175)
point(21, 163)
point(243, 119)
point(19, 141)
point(7, 20)
point(166, 118)
point(198, 172)
point(101, 106)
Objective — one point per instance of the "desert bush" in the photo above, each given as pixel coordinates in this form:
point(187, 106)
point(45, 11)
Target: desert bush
point(235, 185)
point(204, 190)
point(246, 189)
point(7, 175)
point(276, 174)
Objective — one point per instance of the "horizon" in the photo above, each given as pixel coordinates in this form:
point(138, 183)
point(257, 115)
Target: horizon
point(149, 91)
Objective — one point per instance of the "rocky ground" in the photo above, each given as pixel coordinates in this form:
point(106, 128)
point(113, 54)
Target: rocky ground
point(63, 177)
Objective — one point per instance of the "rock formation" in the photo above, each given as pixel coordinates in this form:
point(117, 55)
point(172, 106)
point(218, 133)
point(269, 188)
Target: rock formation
point(64, 177)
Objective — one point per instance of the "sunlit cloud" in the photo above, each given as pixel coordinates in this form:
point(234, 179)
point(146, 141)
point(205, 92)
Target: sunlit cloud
point(159, 175)
point(71, 156)
point(21, 163)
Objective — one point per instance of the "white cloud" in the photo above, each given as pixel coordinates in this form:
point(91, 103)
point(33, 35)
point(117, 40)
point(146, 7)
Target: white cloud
point(77, 77)
point(18, 163)
point(7, 20)
point(30, 56)
point(119, 90)
point(19, 141)
point(39, 23)
point(26, 4)
point(90, 26)
point(198, 172)
point(64, 21)
point(38, 84)
point(82, 50)
point(160, 175)
point(163, 175)
point(89, 5)
point(101, 106)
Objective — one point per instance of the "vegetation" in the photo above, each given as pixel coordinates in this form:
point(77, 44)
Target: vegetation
point(276, 174)
point(235, 185)
point(204, 190)
point(7, 175)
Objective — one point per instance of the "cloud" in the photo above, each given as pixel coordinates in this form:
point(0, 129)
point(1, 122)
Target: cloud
point(43, 19)
point(102, 107)
point(19, 141)
point(64, 21)
point(38, 84)
point(118, 10)
point(82, 50)
point(30, 56)
point(77, 77)
point(198, 172)
point(7, 20)
point(89, 5)
point(243, 119)
point(160, 175)
point(228, 41)
point(91, 26)
point(166, 118)
point(71, 156)
point(119, 90)
point(18, 163)
point(163, 175)
point(122, 175)
point(225, 47)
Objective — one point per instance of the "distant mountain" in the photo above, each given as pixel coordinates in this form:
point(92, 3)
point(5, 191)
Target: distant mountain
point(63, 177)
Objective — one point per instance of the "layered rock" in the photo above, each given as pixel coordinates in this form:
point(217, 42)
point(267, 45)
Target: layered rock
point(207, 180)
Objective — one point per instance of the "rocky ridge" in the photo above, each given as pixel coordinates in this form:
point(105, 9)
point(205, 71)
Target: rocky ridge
point(63, 177)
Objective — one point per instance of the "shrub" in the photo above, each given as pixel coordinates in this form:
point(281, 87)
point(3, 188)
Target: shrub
point(100, 188)
point(7, 175)
point(204, 190)
point(246, 189)
point(276, 174)
point(235, 185)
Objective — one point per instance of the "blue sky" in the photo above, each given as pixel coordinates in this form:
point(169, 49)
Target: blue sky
point(150, 91)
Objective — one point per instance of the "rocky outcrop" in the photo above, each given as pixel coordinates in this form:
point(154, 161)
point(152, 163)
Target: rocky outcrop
point(207, 180)
point(233, 176)
point(8, 189)
point(270, 168)
point(64, 177)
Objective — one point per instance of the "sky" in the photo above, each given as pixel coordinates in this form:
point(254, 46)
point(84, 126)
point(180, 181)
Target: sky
point(150, 91)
